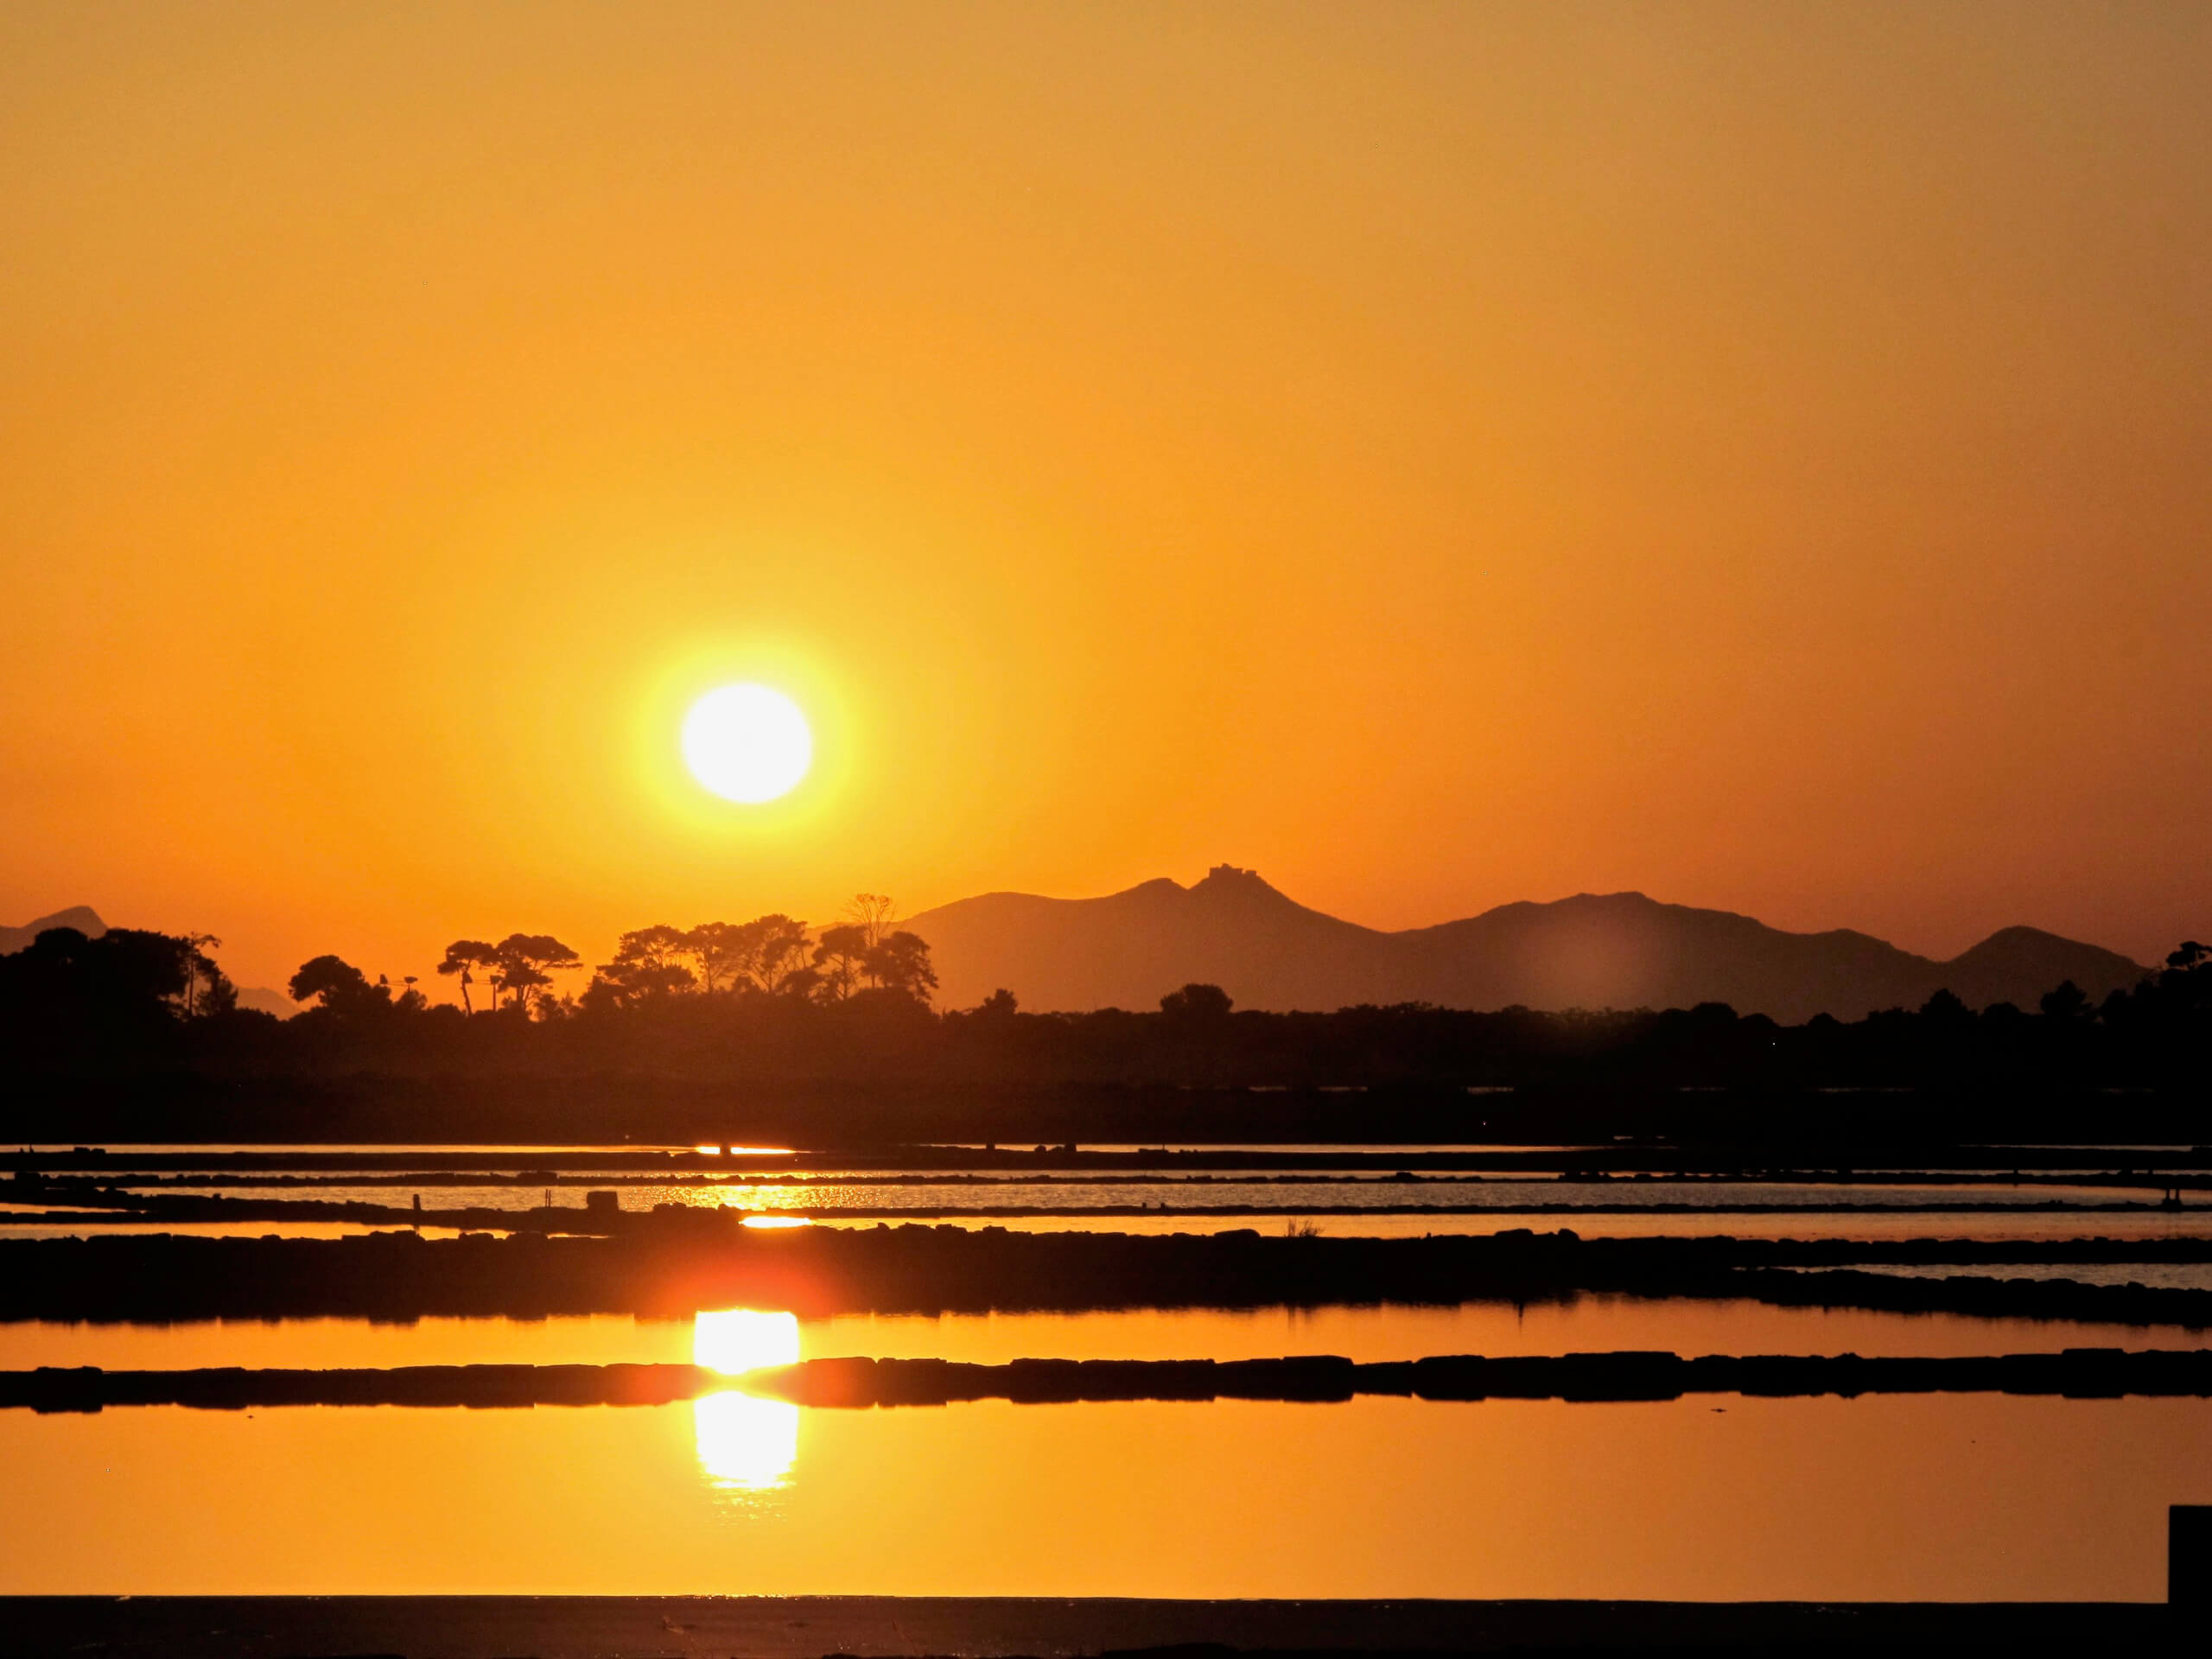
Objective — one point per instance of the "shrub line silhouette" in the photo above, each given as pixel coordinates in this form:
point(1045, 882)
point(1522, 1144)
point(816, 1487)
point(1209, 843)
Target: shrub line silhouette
point(770, 1001)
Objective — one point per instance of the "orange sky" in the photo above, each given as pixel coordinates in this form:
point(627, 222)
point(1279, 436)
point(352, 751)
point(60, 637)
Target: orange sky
point(1436, 456)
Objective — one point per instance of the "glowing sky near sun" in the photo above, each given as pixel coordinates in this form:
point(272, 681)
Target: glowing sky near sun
point(1433, 455)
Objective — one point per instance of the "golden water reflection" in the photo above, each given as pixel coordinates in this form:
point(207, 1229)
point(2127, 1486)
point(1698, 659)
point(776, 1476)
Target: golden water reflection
point(746, 1444)
point(1895, 1498)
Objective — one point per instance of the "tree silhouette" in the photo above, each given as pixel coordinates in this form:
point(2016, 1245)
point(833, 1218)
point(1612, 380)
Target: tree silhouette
point(721, 951)
point(207, 992)
point(1197, 1003)
point(901, 961)
point(841, 960)
point(120, 997)
point(647, 966)
point(778, 953)
point(338, 987)
point(525, 965)
point(760, 954)
point(872, 913)
point(2181, 996)
point(2070, 1002)
point(463, 956)
point(1946, 1008)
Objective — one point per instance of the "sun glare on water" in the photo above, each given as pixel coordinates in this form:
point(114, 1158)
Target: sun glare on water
point(746, 1444)
point(747, 743)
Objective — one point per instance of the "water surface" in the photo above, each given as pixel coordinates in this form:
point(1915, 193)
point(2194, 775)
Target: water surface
point(1712, 1497)
point(1860, 1226)
point(2157, 1275)
point(851, 1192)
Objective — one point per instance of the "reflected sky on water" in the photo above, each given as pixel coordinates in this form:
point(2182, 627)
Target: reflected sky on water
point(1712, 1498)
point(1860, 1225)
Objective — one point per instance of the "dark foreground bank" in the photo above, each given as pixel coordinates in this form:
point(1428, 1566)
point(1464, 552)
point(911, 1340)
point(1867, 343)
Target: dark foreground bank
point(487, 1627)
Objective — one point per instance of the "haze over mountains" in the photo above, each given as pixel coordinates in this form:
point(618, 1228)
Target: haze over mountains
point(1611, 951)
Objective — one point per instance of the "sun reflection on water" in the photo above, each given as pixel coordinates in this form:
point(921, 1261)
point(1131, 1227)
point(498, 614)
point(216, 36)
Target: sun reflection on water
point(744, 1444)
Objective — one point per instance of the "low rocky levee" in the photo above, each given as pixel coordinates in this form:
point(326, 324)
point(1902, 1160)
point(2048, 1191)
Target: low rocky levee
point(2077, 1373)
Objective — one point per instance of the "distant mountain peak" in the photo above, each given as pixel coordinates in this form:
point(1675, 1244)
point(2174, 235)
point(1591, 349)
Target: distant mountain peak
point(1627, 900)
point(2016, 936)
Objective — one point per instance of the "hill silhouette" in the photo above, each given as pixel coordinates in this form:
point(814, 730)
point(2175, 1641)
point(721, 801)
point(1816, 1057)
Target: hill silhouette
point(83, 917)
point(1611, 951)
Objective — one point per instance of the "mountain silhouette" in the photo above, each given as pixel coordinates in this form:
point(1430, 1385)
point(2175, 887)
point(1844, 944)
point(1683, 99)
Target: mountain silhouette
point(1611, 951)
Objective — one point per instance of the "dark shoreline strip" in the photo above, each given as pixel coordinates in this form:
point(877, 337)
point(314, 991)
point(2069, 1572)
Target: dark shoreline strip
point(2075, 1373)
point(679, 1265)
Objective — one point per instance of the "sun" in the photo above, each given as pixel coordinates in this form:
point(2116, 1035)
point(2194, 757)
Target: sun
point(747, 743)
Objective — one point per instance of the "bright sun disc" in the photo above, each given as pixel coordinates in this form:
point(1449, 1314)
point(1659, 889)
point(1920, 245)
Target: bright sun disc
point(747, 743)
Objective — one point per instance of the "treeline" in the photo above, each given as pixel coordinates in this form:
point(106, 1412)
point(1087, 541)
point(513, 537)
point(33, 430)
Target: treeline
point(772, 956)
point(771, 1000)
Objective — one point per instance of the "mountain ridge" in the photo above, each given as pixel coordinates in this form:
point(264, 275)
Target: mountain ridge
point(1587, 951)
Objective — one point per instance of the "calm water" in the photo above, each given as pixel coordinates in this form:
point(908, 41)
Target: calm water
point(828, 1194)
point(1934, 1497)
point(462, 1148)
point(1585, 1325)
point(1860, 1225)
point(1930, 1497)
point(2161, 1275)
point(217, 1228)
